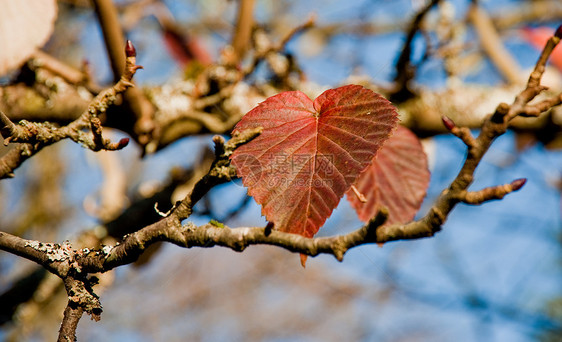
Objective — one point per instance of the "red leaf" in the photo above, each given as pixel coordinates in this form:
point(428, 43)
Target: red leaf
point(183, 47)
point(310, 153)
point(397, 179)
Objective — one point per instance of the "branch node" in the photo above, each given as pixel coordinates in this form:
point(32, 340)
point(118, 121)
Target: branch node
point(490, 193)
point(219, 145)
point(375, 223)
point(241, 138)
point(518, 184)
point(448, 123)
point(462, 133)
point(501, 111)
point(130, 50)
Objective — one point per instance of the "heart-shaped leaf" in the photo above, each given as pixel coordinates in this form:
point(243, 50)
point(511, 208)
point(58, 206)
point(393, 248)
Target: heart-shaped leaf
point(397, 179)
point(310, 153)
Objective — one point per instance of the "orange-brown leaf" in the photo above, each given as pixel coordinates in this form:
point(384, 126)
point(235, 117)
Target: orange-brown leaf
point(397, 179)
point(310, 153)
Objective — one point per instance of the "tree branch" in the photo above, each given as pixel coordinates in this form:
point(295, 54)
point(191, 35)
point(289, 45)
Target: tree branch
point(170, 228)
point(243, 28)
point(404, 69)
point(72, 315)
point(112, 33)
point(221, 171)
point(135, 100)
point(493, 46)
point(73, 265)
point(32, 137)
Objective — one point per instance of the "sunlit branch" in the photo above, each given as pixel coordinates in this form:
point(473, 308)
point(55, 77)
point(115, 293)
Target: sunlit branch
point(32, 137)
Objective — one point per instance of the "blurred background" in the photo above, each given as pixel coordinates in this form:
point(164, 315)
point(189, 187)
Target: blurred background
point(493, 273)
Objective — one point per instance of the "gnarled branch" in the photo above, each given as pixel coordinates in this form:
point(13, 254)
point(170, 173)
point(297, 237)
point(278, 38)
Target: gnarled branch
point(32, 137)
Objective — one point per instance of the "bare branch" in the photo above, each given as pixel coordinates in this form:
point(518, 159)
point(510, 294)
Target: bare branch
point(490, 193)
point(72, 315)
point(265, 49)
point(462, 133)
point(243, 29)
point(112, 33)
point(404, 69)
point(296, 30)
point(135, 101)
point(493, 46)
point(221, 171)
point(34, 136)
point(67, 72)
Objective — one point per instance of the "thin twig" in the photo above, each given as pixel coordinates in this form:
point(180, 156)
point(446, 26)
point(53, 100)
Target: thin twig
point(493, 46)
point(404, 69)
point(262, 52)
point(34, 136)
point(243, 28)
point(135, 100)
point(67, 72)
point(113, 35)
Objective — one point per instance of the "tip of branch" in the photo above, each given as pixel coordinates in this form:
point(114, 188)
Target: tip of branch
point(303, 260)
point(448, 123)
point(122, 143)
point(518, 183)
point(217, 139)
point(219, 145)
point(558, 32)
point(311, 20)
point(130, 50)
point(112, 146)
